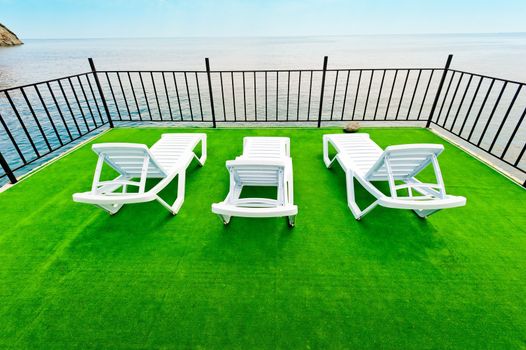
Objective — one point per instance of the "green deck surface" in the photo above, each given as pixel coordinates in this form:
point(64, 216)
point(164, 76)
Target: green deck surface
point(71, 276)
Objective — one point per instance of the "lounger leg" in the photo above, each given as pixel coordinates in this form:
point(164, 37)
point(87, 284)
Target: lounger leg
point(202, 160)
point(328, 162)
point(351, 201)
point(425, 213)
point(174, 208)
point(350, 196)
point(110, 208)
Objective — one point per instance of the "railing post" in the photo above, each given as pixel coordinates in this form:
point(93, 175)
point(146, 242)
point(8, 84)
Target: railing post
point(322, 92)
point(7, 169)
point(99, 87)
point(437, 96)
point(207, 64)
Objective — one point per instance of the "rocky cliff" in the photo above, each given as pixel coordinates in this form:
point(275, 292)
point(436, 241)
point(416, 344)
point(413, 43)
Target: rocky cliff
point(7, 37)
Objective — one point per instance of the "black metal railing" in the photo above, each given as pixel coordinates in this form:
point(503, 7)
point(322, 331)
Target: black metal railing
point(485, 112)
point(41, 119)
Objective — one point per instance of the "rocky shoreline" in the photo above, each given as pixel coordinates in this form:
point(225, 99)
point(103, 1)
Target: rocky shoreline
point(7, 37)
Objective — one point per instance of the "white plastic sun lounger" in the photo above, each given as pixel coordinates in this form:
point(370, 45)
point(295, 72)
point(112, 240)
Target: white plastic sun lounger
point(365, 161)
point(167, 158)
point(265, 162)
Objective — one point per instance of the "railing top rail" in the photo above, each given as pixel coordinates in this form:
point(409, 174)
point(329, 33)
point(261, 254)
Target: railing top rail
point(43, 82)
point(269, 70)
point(489, 77)
point(263, 71)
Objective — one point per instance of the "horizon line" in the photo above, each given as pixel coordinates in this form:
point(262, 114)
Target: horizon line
point(273, 36)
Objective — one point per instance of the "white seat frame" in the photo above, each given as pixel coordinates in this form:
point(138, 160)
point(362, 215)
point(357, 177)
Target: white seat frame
point(363, 160)
point(168, 158)
point(268, 161)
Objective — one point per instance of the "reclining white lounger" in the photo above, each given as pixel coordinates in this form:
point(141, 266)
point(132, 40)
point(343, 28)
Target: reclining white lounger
point(167, 158)
point(265, 162)
point(362, 159)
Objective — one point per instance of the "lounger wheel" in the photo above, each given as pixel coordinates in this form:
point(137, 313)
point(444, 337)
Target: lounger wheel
point(225, 219)
point(291, 220)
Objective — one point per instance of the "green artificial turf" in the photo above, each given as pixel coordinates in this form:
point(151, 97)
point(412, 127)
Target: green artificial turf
point(71, 276)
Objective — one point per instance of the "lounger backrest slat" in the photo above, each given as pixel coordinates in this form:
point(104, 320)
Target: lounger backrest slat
point(260, 175)
point(128, 159)
point(404, 161)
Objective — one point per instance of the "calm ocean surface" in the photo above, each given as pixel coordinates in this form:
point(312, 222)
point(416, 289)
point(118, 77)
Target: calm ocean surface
point(501, 55)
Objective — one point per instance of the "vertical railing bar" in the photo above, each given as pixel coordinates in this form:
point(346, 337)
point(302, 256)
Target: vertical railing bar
point(471, 105)
point(461, 102)
point(15, 144)
point(87, 102)
point(10, 175)
point(145, 96)
point(414, 93)
point(199, 97)
point(391, 94)
point(113, 95)
point(51, 121)
point(35, 118)
point(481, 109)
point(189, 98)
point(124, 95)
point(510, 140)
point(177, 94)
point(244, 97)
point(379, 94)
point(233, 96)
point(134, 96)
point(209, 78)
point(356, 96)
point(439, 91)
point(299, 94)
point(255, 100)
point(368, 94)
point(445, 99)
point(222, 95)
point(505, 116)
point(17, 114)
point(492, 113)
point(345, 93)
point(425, 94)
point(156, 96)
point(266, 100)
point(519, 159)
point(452, 101)
point(69, 107)
point(310, 96)
point(78, 104)
point(322, 90)
point(334, 93)
point(288, 93)
point(277, 94)
point(445, 96)
point(101, 93)
point(95, 100)
point(167, 97)
point(59, 110)
point(402, 95)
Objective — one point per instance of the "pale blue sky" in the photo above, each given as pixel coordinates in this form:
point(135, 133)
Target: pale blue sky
point(173, 18)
